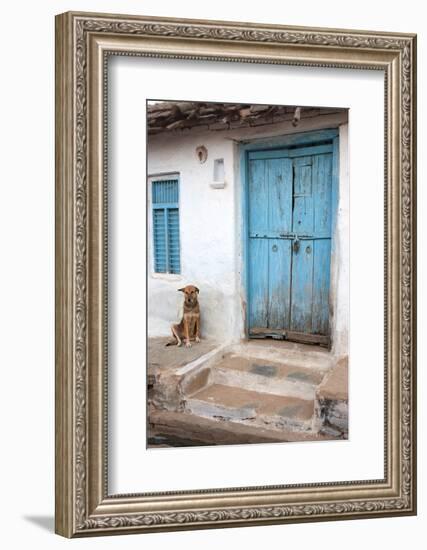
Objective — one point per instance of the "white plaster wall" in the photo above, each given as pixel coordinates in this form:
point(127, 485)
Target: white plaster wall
point(207, 226)
point(211, 225)
point(340, 264)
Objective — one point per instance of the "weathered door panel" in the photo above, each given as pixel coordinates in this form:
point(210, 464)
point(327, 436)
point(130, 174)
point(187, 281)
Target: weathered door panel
point(258, 282)
point(270, 213)
point(303, 208)
point(302, 287)
point(258, 248)
point(289, 244)
point(321, 277)
point(279, 279)
point(258, 193)
point(279, 177)
point(322, 168)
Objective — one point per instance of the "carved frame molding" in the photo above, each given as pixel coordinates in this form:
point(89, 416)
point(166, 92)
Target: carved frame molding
point(83, 44)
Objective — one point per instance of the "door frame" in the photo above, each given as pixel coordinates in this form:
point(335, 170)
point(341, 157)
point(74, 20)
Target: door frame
point(308, 138)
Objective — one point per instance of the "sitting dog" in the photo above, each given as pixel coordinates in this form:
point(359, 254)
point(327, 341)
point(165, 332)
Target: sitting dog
point(189, 327)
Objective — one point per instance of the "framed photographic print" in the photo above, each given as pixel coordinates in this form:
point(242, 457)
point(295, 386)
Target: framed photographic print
point(235, 274)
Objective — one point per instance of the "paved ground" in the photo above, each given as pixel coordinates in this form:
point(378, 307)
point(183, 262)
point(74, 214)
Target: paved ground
point(170, 357)
point(173, 429)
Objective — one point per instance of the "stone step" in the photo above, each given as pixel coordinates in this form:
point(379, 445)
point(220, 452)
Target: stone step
point(289, 353)
point(240, 405)
point(183, 428)
point(266, 376)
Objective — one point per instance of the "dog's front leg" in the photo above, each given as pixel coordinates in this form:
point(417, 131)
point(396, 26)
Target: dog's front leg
point(197, 330)
point(176, 335)
point(187, 334)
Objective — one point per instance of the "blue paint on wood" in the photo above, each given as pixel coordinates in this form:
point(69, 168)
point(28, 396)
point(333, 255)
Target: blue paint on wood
point(173, 240)
point(159, 237)
point(166, 239)
point(244, 231)
point(279, 279)
point(302, 288)
point(322, 167)
point(335, 189)
point(279, 178)
point(258, 282)
point(322, 246)
point(291, 153)
point(290, 213)
point(270, 213)
point(293, 140)
point(165, 191)
point(258, 193)
point(321, 277)
point(303, 215)
point(311, 258)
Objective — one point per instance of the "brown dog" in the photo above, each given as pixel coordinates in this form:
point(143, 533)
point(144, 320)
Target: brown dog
point(189, 327)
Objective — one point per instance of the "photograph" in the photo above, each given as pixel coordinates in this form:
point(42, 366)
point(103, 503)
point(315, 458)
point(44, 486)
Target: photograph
point(247, 273)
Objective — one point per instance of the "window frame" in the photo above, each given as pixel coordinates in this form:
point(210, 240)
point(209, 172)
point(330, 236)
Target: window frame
point(151, 179)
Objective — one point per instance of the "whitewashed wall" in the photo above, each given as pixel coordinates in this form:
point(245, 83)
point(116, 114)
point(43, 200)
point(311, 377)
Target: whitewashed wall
point(210, 225)
point(207, 226)
point(340, 262)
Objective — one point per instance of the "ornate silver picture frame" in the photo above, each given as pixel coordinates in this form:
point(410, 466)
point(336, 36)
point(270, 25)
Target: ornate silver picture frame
point(84, 506)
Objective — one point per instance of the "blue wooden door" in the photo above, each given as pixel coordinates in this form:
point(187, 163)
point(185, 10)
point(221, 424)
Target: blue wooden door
point(289, 199)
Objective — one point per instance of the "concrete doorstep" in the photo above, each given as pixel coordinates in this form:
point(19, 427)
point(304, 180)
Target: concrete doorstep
point(281, 393)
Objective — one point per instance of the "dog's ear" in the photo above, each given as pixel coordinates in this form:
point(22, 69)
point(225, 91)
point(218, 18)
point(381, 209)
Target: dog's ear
point(181, 289)
point(197, 290)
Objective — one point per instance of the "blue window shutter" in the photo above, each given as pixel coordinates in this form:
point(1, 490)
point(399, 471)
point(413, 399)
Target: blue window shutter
point(165, 198)
point(159, 240)
point(165, 192)
point(173, 240)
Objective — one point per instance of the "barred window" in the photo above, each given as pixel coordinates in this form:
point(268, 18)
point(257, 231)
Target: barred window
point(165, 204)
